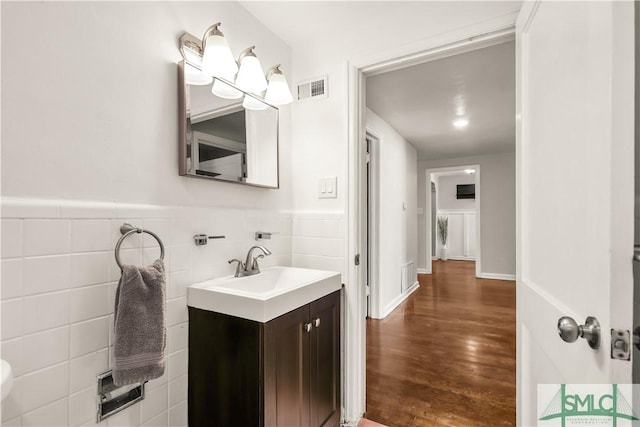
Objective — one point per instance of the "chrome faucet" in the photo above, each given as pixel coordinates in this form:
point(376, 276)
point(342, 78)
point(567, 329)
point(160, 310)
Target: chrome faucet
point(250, 266)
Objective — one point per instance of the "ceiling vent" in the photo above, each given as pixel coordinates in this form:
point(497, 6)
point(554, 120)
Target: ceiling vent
point(313, 89)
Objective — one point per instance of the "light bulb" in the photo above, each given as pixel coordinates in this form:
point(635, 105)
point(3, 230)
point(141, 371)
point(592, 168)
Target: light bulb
point(217, 59)
point(251, 103)
point(278, 92)
point(225, 90)
point(461, 123)
point(250, 75)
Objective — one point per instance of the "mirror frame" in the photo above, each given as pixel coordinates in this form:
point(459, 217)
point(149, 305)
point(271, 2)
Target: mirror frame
point(183, 141)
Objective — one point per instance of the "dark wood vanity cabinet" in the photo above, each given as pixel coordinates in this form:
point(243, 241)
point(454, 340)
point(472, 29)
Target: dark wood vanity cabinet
point(283, 373)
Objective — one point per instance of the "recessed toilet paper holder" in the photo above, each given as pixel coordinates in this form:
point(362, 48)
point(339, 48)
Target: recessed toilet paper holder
point(113, 399)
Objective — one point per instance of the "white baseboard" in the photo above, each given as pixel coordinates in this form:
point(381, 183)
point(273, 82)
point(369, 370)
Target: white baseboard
point(422, 271)
point(434, 258)
point(398, 300)
point(497, 276)
point(462, 258)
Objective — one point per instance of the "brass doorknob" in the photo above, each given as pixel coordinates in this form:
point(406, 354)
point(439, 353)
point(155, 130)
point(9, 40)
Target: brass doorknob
point(570, 331)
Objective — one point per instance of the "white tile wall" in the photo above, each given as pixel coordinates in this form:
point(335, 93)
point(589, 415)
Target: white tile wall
point(45, 311)
point(90, 235)
point(318, 241)
point(54, 414)
point(82, 407)
point(45, 349)
point(46, 237)
point(11, 318)
point(46, 274)
point(178, 414)
point(155, 402)
point(57, 292)
point(45, 386)
point(11, 278)
point(82, 370)
point(12, 241)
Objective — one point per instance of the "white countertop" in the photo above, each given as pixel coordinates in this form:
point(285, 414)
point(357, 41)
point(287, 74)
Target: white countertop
point(264, 296)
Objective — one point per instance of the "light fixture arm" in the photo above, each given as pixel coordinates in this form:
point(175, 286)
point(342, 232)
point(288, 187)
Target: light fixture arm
point(211, 31)
point(193, 46)
point(189, 46)
point(274, 70)
point(247, 52)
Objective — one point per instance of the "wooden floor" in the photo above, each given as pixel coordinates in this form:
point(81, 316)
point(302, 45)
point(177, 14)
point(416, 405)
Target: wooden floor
point(446, 356)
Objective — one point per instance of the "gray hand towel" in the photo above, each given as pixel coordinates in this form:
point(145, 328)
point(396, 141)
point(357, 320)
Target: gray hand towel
point(139, 327)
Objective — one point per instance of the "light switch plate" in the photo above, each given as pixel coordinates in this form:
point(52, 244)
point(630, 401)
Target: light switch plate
point(328, 187)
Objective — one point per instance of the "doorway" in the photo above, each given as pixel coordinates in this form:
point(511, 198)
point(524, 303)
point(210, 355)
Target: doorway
point(462, 212)
point(365, 175)
point(610, 121)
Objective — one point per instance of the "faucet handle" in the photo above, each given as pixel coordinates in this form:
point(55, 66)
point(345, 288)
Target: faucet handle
point(254, 264)
point(239, 267)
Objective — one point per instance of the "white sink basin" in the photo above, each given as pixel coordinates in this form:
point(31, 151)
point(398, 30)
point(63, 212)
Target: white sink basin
point(265, 296)
point(6, 378)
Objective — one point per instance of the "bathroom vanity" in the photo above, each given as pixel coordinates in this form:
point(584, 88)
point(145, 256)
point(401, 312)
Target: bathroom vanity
point(268, 365)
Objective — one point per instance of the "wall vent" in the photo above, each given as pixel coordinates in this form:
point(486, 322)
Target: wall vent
point(408, 276)
point(313, 89)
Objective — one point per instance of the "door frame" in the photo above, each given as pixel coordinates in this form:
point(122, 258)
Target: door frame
point(428, 212)
point(484, 34)
point(373, 223)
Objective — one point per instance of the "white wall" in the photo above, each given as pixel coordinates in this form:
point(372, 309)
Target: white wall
point(90, 101)
point(397, 229)
point(89, 141)
point(446, 193)
point(497, 210)
point(320, 127)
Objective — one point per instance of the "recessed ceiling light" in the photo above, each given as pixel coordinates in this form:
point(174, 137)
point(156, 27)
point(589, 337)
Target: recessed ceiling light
point(461, 123)
point(470, 171)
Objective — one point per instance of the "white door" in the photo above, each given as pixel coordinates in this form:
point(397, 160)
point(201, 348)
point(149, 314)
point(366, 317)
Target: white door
point(575, 190)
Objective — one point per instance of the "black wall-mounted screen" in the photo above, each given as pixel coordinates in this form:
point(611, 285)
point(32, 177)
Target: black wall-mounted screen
point(466, 191)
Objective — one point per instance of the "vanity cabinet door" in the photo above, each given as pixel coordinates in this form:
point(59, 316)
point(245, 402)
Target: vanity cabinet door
point(325, 361)
point(225, 374)
point(286, 365)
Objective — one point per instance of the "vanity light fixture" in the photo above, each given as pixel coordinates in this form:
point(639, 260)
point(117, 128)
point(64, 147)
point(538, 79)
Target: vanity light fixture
point(461, 123)
point(217, 59)
point(278, 92)
point(250, 75)
point(469, 171)
point(210, 59)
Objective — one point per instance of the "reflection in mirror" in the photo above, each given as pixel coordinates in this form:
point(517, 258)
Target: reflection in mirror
point(226, 134)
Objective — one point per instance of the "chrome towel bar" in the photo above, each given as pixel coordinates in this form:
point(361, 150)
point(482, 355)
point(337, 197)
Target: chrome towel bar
point(126, 230)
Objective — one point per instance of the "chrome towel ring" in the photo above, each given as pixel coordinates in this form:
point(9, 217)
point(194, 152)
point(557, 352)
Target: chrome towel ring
point(126, 230)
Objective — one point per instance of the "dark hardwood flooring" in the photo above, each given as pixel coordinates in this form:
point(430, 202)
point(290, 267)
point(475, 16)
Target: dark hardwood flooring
point(447, 355)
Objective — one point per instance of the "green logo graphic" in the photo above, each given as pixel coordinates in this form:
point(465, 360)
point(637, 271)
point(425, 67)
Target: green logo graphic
point(613, 406)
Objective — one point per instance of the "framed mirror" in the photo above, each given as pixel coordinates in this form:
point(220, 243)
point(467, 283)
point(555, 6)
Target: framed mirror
point(226, 134)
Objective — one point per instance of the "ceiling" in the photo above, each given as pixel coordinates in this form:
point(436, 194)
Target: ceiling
point(417, 101)
point(360, 27)
point(421, 102)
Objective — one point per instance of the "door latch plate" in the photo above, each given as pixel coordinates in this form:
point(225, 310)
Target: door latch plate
point(620, 344)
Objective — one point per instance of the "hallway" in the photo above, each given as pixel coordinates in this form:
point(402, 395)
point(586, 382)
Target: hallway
point(446, 356)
